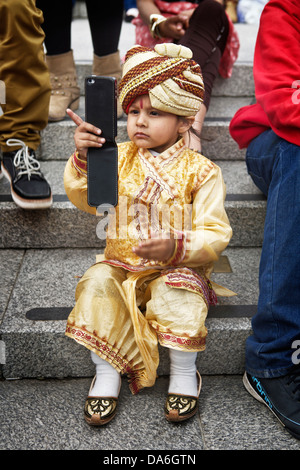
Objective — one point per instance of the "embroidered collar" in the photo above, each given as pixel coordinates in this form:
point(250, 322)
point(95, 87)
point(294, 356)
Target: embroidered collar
point(155, 170)
point(165, 157)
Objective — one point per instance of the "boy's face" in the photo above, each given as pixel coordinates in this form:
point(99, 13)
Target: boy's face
point(152, 129)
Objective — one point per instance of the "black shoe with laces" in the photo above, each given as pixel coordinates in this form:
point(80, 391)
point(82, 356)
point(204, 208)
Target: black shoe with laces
point(29, 188)
point(281, 395)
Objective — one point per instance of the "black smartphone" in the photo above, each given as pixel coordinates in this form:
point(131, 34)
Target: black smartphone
point(102, 162)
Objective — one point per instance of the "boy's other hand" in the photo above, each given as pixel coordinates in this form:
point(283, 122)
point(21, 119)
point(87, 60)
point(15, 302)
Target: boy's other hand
point(156, 249)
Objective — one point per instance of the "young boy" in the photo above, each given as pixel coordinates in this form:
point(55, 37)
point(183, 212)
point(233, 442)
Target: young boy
point(153, 284)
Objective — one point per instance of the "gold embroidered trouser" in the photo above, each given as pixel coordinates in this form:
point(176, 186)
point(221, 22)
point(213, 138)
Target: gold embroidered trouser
point(24, 73)
point(122, 315)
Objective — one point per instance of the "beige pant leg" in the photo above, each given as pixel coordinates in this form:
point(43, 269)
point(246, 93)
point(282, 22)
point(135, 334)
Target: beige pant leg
point(100, 320)
point(178, 316)
point(24, 73)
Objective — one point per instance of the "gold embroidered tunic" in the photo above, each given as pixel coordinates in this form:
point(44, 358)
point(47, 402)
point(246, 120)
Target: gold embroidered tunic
point(125, 304)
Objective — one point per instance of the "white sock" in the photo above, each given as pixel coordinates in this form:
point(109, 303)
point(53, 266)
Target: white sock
point(107, 383)
point(183, 378)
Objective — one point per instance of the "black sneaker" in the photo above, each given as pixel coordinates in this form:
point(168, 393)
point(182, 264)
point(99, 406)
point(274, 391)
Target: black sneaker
point(29, 189)
point(281, 395)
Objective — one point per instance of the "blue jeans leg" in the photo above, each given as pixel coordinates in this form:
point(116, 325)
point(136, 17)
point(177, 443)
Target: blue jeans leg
point(274, 347)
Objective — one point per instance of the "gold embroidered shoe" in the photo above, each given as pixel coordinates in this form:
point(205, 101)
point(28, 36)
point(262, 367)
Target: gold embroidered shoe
point(181, 407)
point(99, 410)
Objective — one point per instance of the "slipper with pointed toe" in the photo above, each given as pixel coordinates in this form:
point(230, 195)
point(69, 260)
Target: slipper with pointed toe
point(100, 410)
point(181, 407)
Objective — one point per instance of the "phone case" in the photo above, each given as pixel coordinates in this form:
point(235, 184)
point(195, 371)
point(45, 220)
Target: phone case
point(102, 162)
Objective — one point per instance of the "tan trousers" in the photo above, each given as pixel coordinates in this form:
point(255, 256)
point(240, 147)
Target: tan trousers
point(24, 73)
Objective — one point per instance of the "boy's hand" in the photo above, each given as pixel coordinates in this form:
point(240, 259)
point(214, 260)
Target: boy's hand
point(86, 135)
point(157, 249)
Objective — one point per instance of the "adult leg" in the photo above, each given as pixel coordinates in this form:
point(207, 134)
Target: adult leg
point(65, 90)
point(272, 364)
point(105, 26)
point(274, 165)
point(206, 37)
point(24, 73)
point(57, 27)
point(27, 86)
point(105, 31)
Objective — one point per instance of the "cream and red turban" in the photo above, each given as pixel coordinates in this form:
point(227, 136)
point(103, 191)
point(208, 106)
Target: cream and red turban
point(168, 74)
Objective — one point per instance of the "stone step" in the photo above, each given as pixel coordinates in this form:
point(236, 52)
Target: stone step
point(217, 144)
point(38, 294)
point(83, 48)
point(228, 419)
point(63, 225)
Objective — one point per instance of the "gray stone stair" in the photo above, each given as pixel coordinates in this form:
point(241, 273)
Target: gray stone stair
point(217, 143)
point(38, 294)
point(64, 226)
point(42, 253)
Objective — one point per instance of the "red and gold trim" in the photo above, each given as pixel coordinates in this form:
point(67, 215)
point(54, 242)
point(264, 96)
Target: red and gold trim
point(106, 351)
point(153, 71)
point(186, 343)
point(98, 345)
point(79, 164)
point(186, 278)
point(179, 252)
